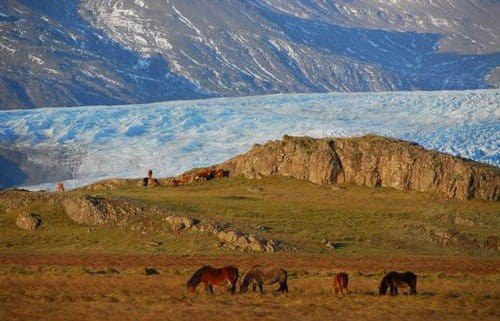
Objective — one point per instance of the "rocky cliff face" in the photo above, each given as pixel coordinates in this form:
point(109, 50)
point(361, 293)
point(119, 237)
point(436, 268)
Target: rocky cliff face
point(370, 161)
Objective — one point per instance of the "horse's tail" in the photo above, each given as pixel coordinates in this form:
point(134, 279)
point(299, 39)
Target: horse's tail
point(384, 284)
point(196, 278)
point(345, 281)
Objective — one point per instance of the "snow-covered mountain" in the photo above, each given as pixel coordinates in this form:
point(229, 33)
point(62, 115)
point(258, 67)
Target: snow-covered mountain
point(79, 52)
point(85, 144)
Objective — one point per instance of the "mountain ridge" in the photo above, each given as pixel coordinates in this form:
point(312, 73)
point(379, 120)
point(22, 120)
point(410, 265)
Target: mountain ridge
point(87, 52)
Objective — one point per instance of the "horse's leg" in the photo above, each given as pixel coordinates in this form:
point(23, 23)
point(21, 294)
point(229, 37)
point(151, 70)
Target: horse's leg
point(211, 288)
point(413, 287)
point(392, 289)
point(207, 288)
point(285, 287)
point(261, 289)
point(254, 286)
point(233, 287)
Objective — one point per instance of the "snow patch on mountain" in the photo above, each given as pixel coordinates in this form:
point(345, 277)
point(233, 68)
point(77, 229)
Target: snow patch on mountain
point(171, 137)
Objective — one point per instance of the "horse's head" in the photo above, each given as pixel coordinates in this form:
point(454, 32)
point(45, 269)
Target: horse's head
point(243, 288)
point(190, 287)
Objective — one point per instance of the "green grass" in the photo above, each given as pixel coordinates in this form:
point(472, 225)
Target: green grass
point(360, 220)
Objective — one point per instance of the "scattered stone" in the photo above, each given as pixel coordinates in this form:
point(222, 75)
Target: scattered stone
point(229, 236)
point(181, 222)
point(330, 245)
point(452, 237)
point(107, 270)
point(154, 243)
point(151, 271)
point(28, 221)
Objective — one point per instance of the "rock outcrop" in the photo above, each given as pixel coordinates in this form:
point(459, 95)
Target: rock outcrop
point(28, 221)
point(230, 238)
point(95, 211)
point(370, 161)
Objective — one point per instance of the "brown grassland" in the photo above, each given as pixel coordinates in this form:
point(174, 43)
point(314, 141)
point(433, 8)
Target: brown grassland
point(69, 272)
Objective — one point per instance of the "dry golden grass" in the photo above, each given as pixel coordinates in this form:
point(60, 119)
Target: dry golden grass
point(66, 292)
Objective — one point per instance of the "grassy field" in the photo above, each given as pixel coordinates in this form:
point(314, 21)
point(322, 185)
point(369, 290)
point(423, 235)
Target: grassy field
point(55, 273)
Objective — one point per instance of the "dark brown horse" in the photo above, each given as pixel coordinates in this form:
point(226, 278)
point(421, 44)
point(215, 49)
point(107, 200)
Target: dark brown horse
point(213, 276)
point(393, 280)
point(340, 283)
point(258, 275)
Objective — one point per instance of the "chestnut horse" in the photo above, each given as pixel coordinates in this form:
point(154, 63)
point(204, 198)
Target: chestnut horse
point(340, 283)
point(258, 275)
point(213, 276)
point(393, 280)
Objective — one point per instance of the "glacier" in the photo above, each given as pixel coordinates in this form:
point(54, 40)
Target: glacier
point(170, 137)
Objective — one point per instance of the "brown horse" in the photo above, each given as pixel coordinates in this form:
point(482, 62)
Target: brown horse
point(205, 174)
point(220, 173)
point(213, 276)
point(258, 275)
point(393, 280)
point(185, 179)
point(340, 283)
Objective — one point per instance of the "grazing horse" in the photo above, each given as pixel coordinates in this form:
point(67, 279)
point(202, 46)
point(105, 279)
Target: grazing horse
point(176, 182)
point(340, 283)
point(185, 179)
point(213, 276)
point(259, 275)
point(220, 173)
point(205, 174)
point(393, 280)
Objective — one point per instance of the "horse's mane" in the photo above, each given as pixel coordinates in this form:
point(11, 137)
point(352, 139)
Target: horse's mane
point(196, 278)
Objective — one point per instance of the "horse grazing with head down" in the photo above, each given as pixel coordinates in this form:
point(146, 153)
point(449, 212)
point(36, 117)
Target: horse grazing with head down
point(258, 275)
point(213, 276)
point(393, 280)
point(340, 283)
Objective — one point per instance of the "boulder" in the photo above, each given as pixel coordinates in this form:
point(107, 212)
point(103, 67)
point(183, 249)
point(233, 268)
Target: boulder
point(230, 236)
point(181, 222)
point(28, 221)
point(93, 211)
point(151, 271)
